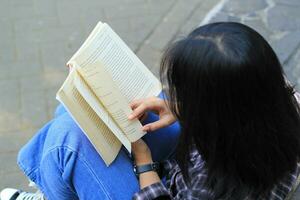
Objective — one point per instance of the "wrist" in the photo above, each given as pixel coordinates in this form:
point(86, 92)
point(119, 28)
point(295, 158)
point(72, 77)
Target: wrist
point(150, 167)
point(143, 161)
point(148, 178)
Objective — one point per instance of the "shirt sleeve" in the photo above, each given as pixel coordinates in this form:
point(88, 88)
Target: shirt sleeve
point(154, 191)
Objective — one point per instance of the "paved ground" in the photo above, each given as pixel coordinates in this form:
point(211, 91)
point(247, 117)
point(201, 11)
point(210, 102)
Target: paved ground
point(38, 36)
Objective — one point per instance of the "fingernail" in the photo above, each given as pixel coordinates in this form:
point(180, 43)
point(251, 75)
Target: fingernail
point(130, 116)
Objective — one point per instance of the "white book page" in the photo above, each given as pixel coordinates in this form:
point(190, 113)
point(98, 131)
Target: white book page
point(131, 76)
point(97, 106)
point(104, 141)
point(108, 93)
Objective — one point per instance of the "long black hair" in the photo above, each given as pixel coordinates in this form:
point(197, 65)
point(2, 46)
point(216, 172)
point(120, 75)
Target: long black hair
point(227, 88)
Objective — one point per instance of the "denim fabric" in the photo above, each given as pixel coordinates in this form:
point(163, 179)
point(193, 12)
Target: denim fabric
point(64, 164)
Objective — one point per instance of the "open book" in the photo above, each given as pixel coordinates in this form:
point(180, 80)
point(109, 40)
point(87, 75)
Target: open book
point(106, 76)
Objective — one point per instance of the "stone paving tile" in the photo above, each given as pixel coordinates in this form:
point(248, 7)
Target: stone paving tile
point(284, 17)
point(44, 8)
point(32, 83)
point(287, 45)
point(259, 26)
point(289, 2)
point(193, 21)
point(53, 56)
point(150, 57)
point(55, 79)
point(10, 162)
point(170, 24)
point(12, 141)
point(34, 110)
point(52, 103)
point(293, 69)
point(10, 105)
point(248, 6)
point(20, 68)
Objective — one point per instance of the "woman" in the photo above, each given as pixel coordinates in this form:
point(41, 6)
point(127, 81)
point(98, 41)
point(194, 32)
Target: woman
point(239, 120)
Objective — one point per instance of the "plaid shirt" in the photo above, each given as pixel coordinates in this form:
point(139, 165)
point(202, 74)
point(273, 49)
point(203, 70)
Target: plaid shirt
point(175, 188)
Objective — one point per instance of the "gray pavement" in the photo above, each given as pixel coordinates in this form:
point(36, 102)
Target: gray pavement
point(38, 37)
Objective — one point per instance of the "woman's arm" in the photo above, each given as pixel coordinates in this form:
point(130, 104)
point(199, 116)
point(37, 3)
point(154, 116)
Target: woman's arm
point(142, 156)
point(150, 183)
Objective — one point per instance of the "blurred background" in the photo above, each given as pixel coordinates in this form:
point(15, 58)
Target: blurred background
point(37, 38)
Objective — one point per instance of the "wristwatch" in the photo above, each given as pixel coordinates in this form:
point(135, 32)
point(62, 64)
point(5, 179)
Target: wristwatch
point(139, 169)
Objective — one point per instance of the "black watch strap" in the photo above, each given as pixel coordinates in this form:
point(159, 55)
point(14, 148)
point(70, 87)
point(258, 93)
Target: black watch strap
point(138, 169)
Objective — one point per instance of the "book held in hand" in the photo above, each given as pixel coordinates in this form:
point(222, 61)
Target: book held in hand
point(105, 77)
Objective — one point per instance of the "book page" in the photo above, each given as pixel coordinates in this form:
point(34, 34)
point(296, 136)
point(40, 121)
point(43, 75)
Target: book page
point(107, 92)
point(104, 141)
point(130, 75)
point(100, 110)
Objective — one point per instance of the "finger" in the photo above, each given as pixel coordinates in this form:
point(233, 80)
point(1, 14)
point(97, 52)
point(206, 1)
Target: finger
point(136, 103)
point(140, 110)
point(157, 125)
point(144, 105)
point(142, 117)
point(139, 117)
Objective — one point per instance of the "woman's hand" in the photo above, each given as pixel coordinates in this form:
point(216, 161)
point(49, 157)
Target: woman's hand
point(155, 104)
point(141, 152)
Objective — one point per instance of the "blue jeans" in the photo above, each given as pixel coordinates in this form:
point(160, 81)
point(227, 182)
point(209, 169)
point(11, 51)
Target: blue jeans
point(64, 164)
